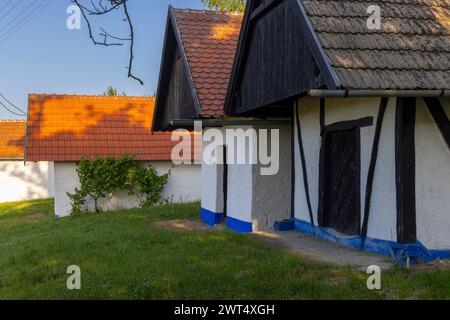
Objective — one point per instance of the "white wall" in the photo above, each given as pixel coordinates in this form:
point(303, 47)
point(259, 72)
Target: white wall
point(382, 223)
point(252, 197)
point(272, 193)
point(19, 181)
point(432, 180)
point(212, 182)
point(184, 185)
point(66, 180)
point(240, 185)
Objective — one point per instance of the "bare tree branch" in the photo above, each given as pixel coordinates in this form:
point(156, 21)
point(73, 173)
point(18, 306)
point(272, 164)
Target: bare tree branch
point(130, 66)
point(100, 9)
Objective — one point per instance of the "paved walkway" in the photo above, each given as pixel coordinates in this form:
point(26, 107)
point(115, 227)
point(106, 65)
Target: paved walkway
point(322, 251)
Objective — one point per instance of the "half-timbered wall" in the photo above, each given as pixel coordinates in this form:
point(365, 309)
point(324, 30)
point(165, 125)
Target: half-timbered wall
point(382, 223)
point(432, 167)
point(432, 179)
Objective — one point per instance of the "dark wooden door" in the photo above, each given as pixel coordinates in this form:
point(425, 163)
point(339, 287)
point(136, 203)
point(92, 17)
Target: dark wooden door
point(341, 182)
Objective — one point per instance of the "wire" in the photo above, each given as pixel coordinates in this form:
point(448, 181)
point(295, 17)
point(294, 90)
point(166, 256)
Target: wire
point(14, 19)
point(17, 108)
point(12, 9)
point(24, 21)
point(2, 8)
point(15, 113)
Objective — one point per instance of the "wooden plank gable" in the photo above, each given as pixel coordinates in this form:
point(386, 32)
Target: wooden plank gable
point(277, 58)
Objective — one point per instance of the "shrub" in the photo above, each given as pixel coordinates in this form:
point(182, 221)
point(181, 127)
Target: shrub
point(104, 176)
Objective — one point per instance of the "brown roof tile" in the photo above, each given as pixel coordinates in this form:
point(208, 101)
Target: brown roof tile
point(410, 51)
point(210, 40)
point(67, 128)
point(12, 140)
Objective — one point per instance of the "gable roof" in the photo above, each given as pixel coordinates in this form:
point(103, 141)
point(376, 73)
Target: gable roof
point(411, 51)
point(207, 43)
point(12, 140)
point(69, 127)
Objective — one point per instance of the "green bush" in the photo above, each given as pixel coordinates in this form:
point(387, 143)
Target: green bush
point(104, 176)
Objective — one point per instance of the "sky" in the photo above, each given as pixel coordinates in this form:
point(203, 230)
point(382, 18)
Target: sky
point(43, 56)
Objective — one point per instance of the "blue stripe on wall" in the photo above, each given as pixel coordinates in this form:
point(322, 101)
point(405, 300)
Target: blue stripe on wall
point(239, 225)
point(210, 218)
point(417, 252)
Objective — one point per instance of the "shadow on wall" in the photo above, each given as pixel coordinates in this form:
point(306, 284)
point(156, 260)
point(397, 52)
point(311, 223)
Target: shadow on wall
point(25, 182)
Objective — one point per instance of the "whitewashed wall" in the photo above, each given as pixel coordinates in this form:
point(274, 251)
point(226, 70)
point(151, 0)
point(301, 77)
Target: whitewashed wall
point(19, 181)
point(251, 197)
point(432, 180)
point(240, 185)
point(382, 223)
point(184, 185)
point(272, 193)
point(211, 181)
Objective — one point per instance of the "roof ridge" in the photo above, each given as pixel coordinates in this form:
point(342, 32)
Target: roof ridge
point(87, 96)
point(235, 13)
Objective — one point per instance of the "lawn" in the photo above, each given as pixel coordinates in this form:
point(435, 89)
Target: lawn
point(122, 256)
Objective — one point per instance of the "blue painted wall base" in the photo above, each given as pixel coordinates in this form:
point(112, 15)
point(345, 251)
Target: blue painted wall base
point(416, 252)
point(211, 218)
point(239, 225)
point(285, 225)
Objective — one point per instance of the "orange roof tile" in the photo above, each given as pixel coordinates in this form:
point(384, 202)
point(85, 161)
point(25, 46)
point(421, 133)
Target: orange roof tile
point(12, 141)
point(210, 40)
point(69, 127)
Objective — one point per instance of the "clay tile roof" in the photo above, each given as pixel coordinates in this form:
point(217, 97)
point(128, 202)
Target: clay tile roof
point(67, 128)
point(210, 40)
point(12, 140)
point(410, 51)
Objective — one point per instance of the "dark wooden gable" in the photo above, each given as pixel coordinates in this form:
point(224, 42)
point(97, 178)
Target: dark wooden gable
point(176, 97)
point(278, 57)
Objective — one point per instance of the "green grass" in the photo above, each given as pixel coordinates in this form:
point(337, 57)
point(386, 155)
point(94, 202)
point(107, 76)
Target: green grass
point(122, 257)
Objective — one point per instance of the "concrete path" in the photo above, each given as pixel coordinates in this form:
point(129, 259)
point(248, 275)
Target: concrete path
point(322, 251)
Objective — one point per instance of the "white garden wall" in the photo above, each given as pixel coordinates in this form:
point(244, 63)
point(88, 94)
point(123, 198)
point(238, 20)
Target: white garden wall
point(19, 181)
point(183, 186)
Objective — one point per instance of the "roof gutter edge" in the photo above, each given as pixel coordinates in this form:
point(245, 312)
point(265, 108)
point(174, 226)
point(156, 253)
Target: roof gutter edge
point(180, 123)
point(323, 93)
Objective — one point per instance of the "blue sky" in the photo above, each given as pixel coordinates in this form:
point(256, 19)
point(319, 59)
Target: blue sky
point(44, 56)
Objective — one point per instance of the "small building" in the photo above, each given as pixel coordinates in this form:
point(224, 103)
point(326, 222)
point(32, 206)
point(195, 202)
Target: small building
point(371, 157)
point(367, 148)
point(63, 129)
point(197, 60)
point(20, 181)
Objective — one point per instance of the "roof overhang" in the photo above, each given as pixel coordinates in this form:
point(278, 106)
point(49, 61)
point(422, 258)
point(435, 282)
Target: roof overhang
point(323, 93)
point(208, 123)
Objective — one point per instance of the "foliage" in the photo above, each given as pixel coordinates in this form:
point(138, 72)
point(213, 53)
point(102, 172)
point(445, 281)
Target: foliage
point(104, 176)
point(225, 5)
point(147, 182)
point(112, 92)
